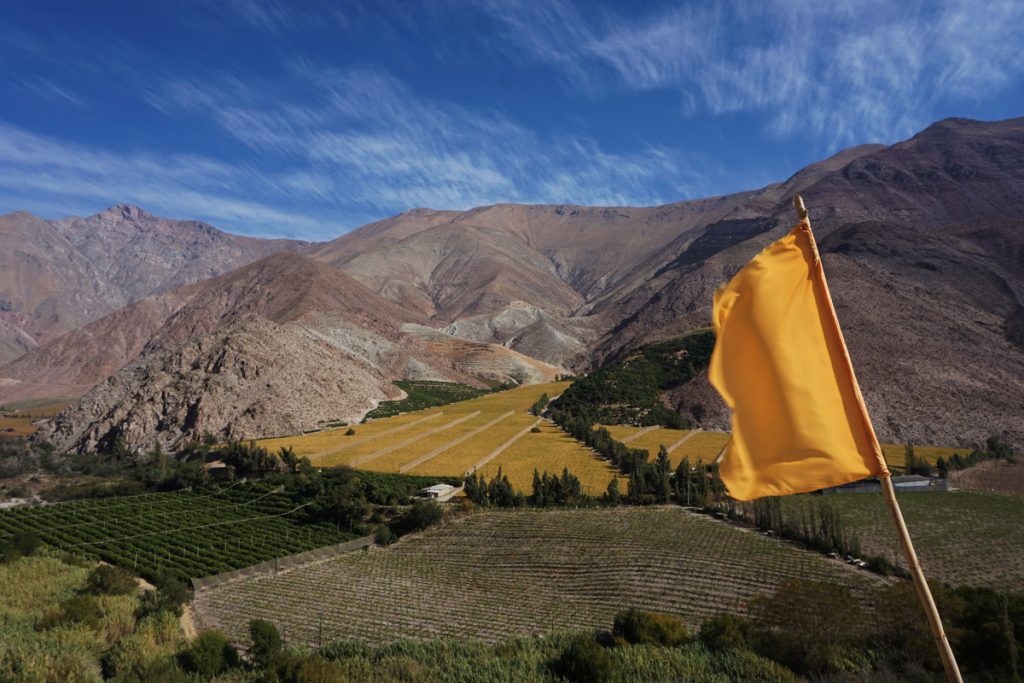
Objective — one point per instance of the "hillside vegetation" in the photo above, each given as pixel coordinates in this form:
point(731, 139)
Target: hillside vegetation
point(424, 394)
point(629, 390)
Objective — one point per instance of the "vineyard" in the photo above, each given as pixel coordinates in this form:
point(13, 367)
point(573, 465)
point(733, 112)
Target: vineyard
point(961, 538)
point(483, 433)
point(184, 533)
point(496, 574)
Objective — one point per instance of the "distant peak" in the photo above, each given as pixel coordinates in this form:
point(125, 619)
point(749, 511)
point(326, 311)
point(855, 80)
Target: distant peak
point(126, 211)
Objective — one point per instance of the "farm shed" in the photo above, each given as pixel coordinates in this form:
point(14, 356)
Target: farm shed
point(438, 492)
point(904, 483)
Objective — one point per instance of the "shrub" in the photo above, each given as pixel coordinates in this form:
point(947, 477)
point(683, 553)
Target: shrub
point(350, 432)
point(110, 580)
point(20, 544)
point(585, 661)
point(266, 642)
point(639, 627)
point(81, 609)
point(209, 654)
point(25, 542)
point(724, 632)
point(384, 535)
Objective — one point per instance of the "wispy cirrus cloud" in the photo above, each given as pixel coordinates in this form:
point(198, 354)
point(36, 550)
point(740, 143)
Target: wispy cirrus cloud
point(841, 73)
point(55, 176)
point(362, 136)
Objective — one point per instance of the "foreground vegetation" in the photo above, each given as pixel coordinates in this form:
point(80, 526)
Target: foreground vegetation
point(63, 618)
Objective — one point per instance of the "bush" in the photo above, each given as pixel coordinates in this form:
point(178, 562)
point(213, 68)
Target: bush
point(20, 544)
point(209, 654)
point(350, 432)
point(266, 642)
point(81, 609)
point(110, 580)
point(639, 627)
point(585, 661)
point(384, 535)
point(724, 632)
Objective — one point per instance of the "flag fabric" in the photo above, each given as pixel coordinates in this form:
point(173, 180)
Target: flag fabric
point(799, 422)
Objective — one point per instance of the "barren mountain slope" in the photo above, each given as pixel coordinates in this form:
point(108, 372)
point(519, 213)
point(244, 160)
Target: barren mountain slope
point(923, 243)
point(58, 275)
point(285, 334)
point(927, 294)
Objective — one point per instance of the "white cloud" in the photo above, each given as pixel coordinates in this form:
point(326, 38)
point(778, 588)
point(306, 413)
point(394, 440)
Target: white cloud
point(842, 73)
point(44, 174)
point(364, 136)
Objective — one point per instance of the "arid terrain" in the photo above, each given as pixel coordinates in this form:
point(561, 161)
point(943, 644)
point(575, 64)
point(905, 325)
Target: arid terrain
point(923, 243)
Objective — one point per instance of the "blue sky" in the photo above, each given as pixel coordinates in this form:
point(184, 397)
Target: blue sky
point(307, 119)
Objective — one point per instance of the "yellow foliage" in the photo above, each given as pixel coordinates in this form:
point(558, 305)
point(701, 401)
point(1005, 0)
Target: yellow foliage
point(552, 450)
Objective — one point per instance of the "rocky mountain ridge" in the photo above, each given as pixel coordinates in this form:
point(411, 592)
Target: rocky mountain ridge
point(923, 243)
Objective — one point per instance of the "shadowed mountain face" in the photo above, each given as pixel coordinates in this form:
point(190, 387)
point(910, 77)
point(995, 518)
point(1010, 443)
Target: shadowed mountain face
point(923, 244)
point(58, 275)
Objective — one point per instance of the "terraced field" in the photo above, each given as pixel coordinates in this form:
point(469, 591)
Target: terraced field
point(501, 573)
point(961, 537)
point(486, 432)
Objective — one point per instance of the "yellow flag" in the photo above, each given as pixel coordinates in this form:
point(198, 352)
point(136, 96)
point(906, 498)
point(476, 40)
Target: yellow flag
point(799, 421)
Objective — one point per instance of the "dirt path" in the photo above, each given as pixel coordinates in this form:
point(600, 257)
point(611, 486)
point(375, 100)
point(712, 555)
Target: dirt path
point(188, 622)
point(637, 435)
point(683, 440)
point(500, 449)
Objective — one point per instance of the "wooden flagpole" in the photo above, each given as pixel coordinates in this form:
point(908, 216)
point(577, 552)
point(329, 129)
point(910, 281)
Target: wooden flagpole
point(920, 583)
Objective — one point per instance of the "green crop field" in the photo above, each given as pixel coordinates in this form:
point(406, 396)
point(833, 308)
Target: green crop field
point(961, 537)
point(185, 533)
point(495, 574)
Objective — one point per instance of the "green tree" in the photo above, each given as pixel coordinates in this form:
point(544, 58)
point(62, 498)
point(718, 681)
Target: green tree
point(639, 627)
point(612, 496)
point(266, 643)
point(724, 632)
point(110, 580)
point(585, 661)
point(209, 654)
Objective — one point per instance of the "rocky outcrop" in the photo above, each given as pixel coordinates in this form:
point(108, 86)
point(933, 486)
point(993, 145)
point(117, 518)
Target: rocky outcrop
point(58, 275)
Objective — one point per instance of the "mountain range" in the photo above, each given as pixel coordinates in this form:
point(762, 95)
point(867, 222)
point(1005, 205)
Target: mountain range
point(167, 329)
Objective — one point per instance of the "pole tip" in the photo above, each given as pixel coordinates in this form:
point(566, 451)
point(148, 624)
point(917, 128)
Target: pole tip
point(801, 210)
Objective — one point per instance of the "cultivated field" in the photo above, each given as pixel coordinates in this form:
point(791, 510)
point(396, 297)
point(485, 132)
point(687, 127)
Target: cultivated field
point(16, 419)
point(961, 537)
point(894, 453)
point(501, 573)
point(695, 444)
point(994, 476)
point(706, 445)
point(189, 534)
point(453, 439)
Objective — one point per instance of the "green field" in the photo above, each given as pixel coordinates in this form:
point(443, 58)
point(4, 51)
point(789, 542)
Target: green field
point(497, 574)
point(424, 394)
point(190, 534)
point(961, 537)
